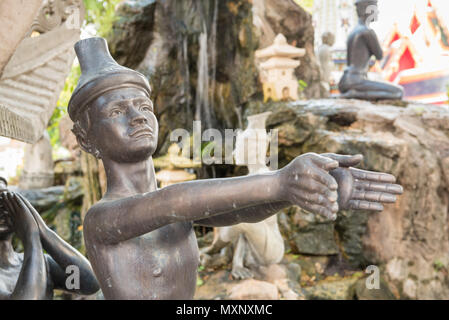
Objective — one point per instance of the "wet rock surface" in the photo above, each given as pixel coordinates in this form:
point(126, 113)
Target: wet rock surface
point(409, 238)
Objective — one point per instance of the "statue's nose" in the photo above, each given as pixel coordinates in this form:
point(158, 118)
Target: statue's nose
point(137, 117)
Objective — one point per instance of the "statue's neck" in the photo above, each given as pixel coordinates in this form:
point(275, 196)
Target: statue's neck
point(7, 254)
point(129, 179)
point(364, 21)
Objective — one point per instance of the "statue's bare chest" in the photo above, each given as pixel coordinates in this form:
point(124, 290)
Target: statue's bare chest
point(158, 265)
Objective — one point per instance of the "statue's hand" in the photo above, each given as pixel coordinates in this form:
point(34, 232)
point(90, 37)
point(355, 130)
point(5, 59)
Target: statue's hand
point(22, 220)
point(306, 182)
point(43, 228)
point(365, 190)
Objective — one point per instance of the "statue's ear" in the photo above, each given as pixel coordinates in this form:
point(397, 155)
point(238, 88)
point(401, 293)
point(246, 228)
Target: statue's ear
point(81, 138)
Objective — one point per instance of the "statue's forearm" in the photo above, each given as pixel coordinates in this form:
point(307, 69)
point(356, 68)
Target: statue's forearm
point(127, 218)
point(374, 45)
point(65, 255)
point(246, 215)
point(32, 281)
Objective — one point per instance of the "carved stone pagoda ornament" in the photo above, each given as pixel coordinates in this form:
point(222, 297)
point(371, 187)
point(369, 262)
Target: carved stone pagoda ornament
point(277, 71)
point(34, 76)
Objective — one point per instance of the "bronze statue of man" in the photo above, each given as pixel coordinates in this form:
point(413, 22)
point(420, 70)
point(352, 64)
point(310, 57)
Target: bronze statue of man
point(140, 240)
point(362, 45)
point(33, 275)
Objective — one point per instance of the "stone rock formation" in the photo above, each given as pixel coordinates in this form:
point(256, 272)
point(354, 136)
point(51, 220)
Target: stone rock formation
point(409, 241)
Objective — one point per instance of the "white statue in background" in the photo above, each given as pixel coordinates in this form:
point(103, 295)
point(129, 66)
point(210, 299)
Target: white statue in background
point(255, 244)
point(325, 58)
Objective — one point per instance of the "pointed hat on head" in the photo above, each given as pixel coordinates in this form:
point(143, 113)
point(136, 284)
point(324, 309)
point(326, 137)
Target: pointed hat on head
point(100, 73)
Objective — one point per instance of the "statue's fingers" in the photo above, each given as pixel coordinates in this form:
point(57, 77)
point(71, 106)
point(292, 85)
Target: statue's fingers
point(318, 187)
point(27, 203)
point(7, 203)
point(18, 203)
point(12, 201)
point(317, 209)
point(374, 196)
point(318, 199)
point(345, 160)
point(323, 177)
point(325, 163)
point(365, 205)
point(372, 176)
point(378, 187)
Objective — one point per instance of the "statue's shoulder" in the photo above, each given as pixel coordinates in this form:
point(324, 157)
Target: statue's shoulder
point(96, 211)
point(368, 32)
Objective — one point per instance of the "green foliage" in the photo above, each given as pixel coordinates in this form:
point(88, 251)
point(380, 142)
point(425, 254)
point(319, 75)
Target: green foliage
point(101, 13)
point(302, 85)
point(438, 265)
point(61, 106)
point(306, 4)
point(199, 282)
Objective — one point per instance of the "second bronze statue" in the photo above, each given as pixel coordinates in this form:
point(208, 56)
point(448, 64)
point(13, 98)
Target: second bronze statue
point(362, 45)
point(140, 240)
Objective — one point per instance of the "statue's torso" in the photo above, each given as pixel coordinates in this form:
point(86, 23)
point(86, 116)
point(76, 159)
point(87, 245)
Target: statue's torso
point(359, 53)
point(161, 264)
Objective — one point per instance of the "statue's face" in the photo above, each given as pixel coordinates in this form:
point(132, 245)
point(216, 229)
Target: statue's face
point(123, 126)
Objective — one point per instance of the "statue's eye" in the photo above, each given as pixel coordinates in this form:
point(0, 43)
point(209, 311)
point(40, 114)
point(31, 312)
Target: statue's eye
point(146, 108)
point(115, 113)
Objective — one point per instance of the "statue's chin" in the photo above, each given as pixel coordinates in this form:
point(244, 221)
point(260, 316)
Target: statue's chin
point(134, 156)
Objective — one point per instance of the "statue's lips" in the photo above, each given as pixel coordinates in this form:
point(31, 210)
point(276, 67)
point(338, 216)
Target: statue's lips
point(142, 133)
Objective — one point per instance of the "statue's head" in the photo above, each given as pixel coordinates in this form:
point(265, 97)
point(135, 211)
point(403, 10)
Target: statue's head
point(5, 225)
point(367, 10)
point(328, 38)
point(111, 108)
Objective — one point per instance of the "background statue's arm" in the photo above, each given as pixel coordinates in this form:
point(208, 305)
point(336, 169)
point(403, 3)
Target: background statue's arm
point(32, 282)
point(373, 44)
point(60, 256)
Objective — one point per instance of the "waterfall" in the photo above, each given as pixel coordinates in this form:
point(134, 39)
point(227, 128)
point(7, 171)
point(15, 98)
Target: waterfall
point(185, 63)
point(202, 87)
point(213, 55)
point(207, 66)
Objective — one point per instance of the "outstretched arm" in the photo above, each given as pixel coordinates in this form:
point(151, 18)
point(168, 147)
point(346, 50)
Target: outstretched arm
point(357, 190)
point(32, 283)
point(246, 215)
point(61, 256)
point(304, 182)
